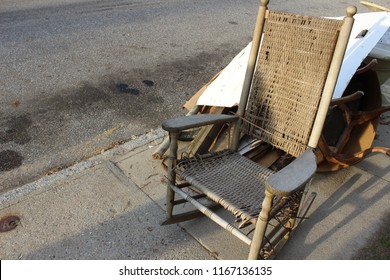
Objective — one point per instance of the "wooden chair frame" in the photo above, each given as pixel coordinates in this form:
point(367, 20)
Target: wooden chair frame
point(284, 183)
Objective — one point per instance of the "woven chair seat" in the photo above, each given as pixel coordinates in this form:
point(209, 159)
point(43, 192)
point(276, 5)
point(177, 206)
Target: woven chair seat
point(232, 180)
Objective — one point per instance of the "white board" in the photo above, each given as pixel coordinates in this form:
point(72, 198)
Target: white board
point(225, 90)
point(376, 24)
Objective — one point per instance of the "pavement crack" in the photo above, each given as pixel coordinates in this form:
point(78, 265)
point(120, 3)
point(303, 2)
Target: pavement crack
point(120, 175)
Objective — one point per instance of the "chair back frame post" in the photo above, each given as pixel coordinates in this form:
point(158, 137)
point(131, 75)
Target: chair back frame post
point(257, 34)
point(333, 74)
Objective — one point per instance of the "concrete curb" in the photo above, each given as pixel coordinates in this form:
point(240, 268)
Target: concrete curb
point(15, 195)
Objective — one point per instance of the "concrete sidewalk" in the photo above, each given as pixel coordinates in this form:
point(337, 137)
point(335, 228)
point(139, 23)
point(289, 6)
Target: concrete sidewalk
point(111, 206)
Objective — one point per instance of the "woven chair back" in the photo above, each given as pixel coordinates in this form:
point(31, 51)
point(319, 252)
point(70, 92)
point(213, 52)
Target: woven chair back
point(291, 71)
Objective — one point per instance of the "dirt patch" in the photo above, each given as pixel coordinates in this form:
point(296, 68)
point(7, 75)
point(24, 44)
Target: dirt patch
point(15, 129)
point(10, 160)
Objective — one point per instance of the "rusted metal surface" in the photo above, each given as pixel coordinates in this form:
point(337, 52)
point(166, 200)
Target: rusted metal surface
point(9, 223)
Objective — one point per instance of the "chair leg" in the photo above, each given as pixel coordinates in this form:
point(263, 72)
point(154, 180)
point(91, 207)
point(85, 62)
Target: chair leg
point(261, 226)
point(172, 159)
point(170, 199)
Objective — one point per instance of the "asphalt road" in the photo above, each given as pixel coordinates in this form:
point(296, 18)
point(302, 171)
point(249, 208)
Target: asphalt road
point(78, 76)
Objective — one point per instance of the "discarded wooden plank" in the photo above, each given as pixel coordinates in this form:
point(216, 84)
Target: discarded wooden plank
point(247, 144)
point(259, 151)
point(199, 141)
point(193, 100)
point(269, 158)
point(222, 141)
point(374, 7)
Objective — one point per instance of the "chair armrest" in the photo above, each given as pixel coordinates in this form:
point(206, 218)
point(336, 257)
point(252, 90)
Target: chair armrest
point(187, 122)
point(293, 176)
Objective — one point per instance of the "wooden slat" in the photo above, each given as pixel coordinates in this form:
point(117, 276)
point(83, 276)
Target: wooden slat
point(199, 141)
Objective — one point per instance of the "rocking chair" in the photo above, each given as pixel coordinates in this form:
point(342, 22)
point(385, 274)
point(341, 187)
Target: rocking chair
point(285, 97)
